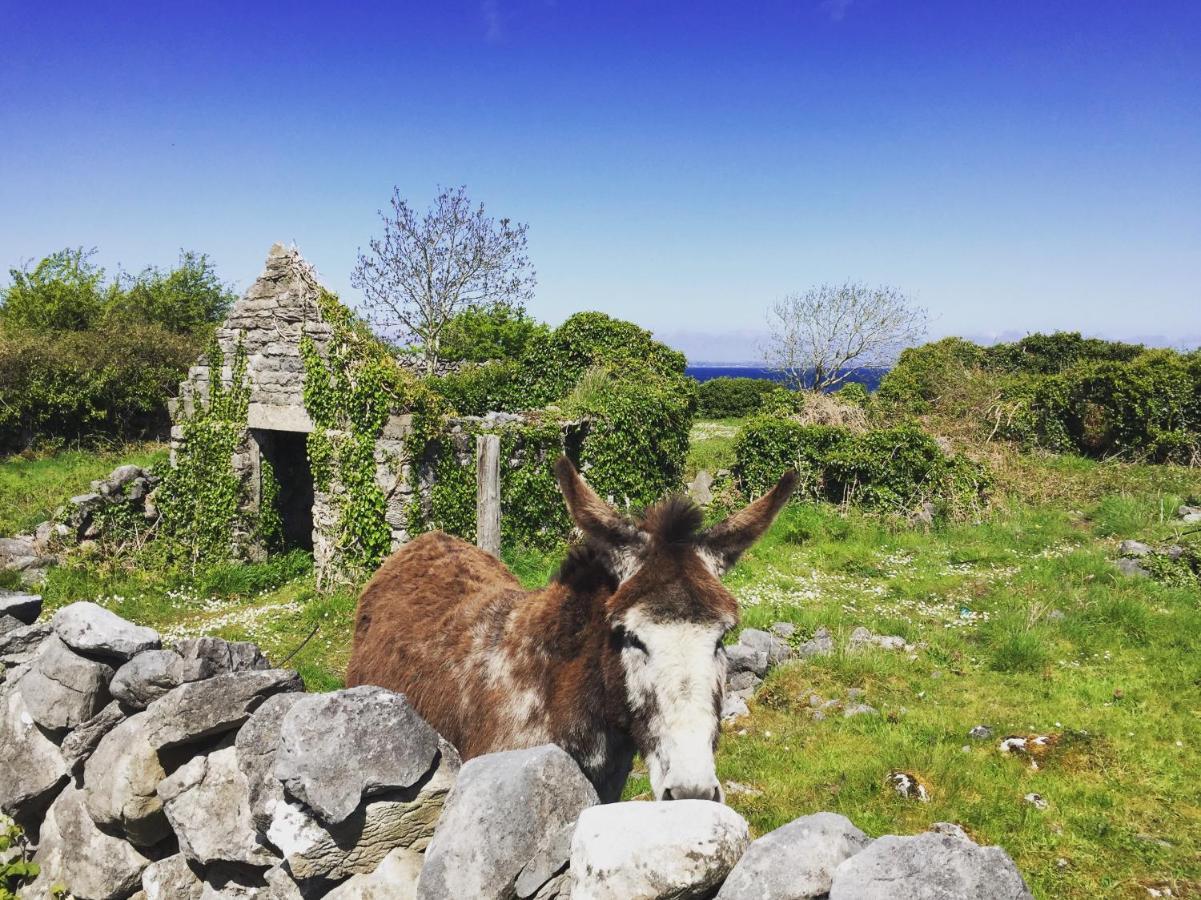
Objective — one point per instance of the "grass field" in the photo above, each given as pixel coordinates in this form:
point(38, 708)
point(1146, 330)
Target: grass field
point(1020, 622)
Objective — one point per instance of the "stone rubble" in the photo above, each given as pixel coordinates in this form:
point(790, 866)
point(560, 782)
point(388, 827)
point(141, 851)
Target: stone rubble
point(211, 776)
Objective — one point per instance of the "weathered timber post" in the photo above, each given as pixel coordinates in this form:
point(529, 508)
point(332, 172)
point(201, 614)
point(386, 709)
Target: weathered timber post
point(487, 493)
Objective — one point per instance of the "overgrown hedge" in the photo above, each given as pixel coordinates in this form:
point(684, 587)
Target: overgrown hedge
point(734, 398)
point(77, 386)
point(893, 470)
point(1060, 392)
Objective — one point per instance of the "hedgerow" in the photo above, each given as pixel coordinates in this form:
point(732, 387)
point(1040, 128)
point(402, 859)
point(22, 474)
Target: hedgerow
point(894, 470)
point(733, 398)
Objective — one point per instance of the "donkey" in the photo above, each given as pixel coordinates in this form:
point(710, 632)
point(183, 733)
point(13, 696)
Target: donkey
point(621, 652)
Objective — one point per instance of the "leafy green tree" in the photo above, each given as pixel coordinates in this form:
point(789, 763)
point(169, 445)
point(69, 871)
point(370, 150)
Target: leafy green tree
point(495, 332)
point(183, 299)
point(63, 292)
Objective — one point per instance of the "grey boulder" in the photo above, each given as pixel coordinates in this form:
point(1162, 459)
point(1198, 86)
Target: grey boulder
point(72, 851)
point(821, 644)
point(206, 802)
point(337, 749)
point(777, 650)
point(650, 851)
point(741, 658)
point(1134, 548)
point(61, 689)
point(496, 817)
point(24, 607)
point(83, 740)
point(205, 657)
point(257, 742)
point(550, 859)
point(928, 866)
point(171, 879)
point(146, 677)
point(123, 772)
point(31, 768)
point(91, 629)
point(21, 645)
point(796, 861)
point(313, 849)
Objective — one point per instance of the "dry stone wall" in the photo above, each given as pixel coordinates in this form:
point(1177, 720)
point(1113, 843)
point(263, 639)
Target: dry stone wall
point(200, 771)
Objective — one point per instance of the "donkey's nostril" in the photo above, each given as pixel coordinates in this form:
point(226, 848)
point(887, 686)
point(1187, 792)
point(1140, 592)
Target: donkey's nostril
point(716, 795)
point(667, 795)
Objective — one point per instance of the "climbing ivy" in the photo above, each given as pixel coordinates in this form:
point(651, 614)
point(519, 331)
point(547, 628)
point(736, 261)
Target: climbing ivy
point(352, 385)
point(202, 499)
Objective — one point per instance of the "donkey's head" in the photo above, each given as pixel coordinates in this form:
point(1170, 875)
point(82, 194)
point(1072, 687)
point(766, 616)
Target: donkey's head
point(667, 618)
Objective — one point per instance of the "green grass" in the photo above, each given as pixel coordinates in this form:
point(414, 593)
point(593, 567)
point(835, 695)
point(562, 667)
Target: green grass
point(1020, 622)
point(712, 446)
point(31, 489)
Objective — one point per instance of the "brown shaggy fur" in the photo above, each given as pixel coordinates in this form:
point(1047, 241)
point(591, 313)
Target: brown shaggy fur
point(495, 667)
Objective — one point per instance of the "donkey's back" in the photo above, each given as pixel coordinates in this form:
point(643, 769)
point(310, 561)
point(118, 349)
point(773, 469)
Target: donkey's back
point(423, 615)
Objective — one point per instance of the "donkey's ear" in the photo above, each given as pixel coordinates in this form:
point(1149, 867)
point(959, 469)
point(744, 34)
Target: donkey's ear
point(591, 514)
point(727, 540)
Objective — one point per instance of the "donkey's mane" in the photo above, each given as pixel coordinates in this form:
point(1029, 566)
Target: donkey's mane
point(673, 522)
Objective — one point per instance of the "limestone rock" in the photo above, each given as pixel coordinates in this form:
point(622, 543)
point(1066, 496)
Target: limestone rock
point(208, 656)
point(1131, 568)
point(24, 607)
point(120, 779)
point(31, 768)
point(551, 858)
point(777, 650)
point(146, 677)
point(928, 867)
point(171, 879)
point(72, 851)
point(82, 742)
point(497, 814)
point(700, 488)
point(91, 629)
point(821, 644)
point(201, 709)
point(648, 851)
point(741, 658)
point(796, 861)
point(733, 707)
point(395, 878)
point(1134, 548)
point(21, 645)
point(7, 624)
point(257, 742)
point(337, 749)
point(315, 850)
point(206, 801)
point(61, 689)
point(125, 769)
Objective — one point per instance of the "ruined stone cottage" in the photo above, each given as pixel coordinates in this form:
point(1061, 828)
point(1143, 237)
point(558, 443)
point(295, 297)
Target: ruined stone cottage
point(270, 320)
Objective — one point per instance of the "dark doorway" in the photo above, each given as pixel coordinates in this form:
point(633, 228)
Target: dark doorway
point(288, 457)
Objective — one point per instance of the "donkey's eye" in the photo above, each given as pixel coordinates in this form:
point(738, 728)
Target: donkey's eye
point(629, 639)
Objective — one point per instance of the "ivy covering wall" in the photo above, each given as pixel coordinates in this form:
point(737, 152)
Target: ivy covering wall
point(601, 390)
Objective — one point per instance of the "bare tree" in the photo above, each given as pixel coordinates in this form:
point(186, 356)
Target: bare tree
point(819, 337)
point(426, 269)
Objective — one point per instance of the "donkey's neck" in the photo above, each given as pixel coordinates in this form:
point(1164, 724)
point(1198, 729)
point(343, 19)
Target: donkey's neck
point(579, 675)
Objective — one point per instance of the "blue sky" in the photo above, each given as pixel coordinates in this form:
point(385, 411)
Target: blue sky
point(1014, 166)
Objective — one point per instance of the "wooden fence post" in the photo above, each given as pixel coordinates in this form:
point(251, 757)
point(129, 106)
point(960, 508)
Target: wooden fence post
point(487, 493)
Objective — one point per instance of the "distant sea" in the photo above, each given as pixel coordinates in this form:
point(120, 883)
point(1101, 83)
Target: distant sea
point(869, 378)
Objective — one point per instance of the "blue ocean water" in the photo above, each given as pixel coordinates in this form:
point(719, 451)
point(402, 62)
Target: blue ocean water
point(869, 378)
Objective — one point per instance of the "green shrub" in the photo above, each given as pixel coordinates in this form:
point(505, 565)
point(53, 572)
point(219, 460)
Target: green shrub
point(81, 386)
point(185, 299)
point(554, 362)
point(63, 292)
point(637, 440)
point(853, 394)
point(1047, 354)
point(733, 398)
point(1144, 407)
point(476, 389)
point(492, 333)
point(893, 470)
point(924, 375)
